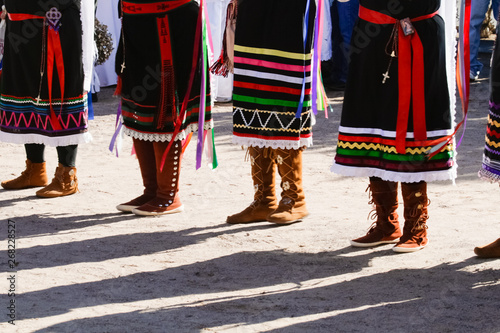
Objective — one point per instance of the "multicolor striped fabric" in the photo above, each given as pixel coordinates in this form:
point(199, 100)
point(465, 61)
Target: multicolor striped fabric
point(370, 116)
point(490, 169)
point(27, 116)
point(271, 71)
point(491, 157)
point(372, 152)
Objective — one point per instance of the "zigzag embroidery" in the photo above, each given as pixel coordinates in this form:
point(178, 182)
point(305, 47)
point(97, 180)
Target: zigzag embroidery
point(386, 149)
point(493, 133)
point(494, 106)
point(263, 125)
point(41, 121)
point(493, 122)
point(305, 129)
point(491, 150)
point(492, 143)
point(493, 114)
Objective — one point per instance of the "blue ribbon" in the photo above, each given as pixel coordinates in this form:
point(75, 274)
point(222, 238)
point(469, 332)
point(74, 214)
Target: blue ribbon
point(306, 35)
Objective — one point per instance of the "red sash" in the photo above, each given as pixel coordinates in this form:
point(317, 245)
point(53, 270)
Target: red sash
point(410, 77)
point(167, 104)
point(152, 8)
point(53, 54)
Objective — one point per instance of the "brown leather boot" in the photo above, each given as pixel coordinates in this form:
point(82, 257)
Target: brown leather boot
point(491, 250)
point(292, 207)
point(415, 230)
point(64, 183)
point(263, 173)
point(145, 153)
point(386, 229)
point(35, 175)
point(167, 199)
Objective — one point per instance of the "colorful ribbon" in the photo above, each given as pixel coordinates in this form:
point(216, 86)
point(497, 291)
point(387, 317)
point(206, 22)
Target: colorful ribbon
point(463, 77)
point(200, 47)
point(319, 98)
point(318, 93)
point(116, 142)
point(410, 76)
point(306, 37)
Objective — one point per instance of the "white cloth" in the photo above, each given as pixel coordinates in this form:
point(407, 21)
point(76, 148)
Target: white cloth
point(326, 46)
point(107, 13)
point(222, 88)
point(448, 12)
point(87, 18)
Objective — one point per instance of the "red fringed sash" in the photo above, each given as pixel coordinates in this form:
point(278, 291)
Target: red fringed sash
point(53, 54)
point(410, 76)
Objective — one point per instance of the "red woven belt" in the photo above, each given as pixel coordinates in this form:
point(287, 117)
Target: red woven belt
point(152, 8)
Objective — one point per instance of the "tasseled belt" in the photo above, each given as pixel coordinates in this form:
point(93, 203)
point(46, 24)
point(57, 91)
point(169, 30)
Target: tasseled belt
point(167, 104)
point(410, 54)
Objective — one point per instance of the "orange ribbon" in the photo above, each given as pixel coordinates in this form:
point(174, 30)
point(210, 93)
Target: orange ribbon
point(410, 77)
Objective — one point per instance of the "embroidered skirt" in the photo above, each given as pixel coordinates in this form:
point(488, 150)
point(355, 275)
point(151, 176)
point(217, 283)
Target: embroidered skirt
point(25, 100)
point(370, 139)
point(490, 169)
point(272, 65)
point(156, 51)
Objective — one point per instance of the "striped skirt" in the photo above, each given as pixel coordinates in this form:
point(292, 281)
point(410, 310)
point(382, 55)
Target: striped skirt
point(272, 74)
point(490, 169)
point(376, 139)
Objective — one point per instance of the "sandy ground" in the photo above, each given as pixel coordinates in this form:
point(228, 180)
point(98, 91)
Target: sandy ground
point(84, 267)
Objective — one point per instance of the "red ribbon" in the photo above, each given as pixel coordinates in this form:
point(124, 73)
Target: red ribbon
point(54, 53)
point(410, 77)
point(152, 8)
point(198, 40)
point(166, 108)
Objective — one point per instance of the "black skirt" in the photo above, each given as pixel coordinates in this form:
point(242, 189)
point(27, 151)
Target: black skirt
point(370, 115)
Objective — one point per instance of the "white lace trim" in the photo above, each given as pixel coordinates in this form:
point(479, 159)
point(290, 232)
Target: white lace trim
point(392, 176)
point(283, 144)
point(166, 137)
point(83, 100)
point(67, 140)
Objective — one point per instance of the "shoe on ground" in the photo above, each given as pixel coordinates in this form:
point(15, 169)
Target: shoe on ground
point(127, 207)
point(159, 206)
point(473, 76)
point(376, 237)
point(410, 245)
point(491, 250)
